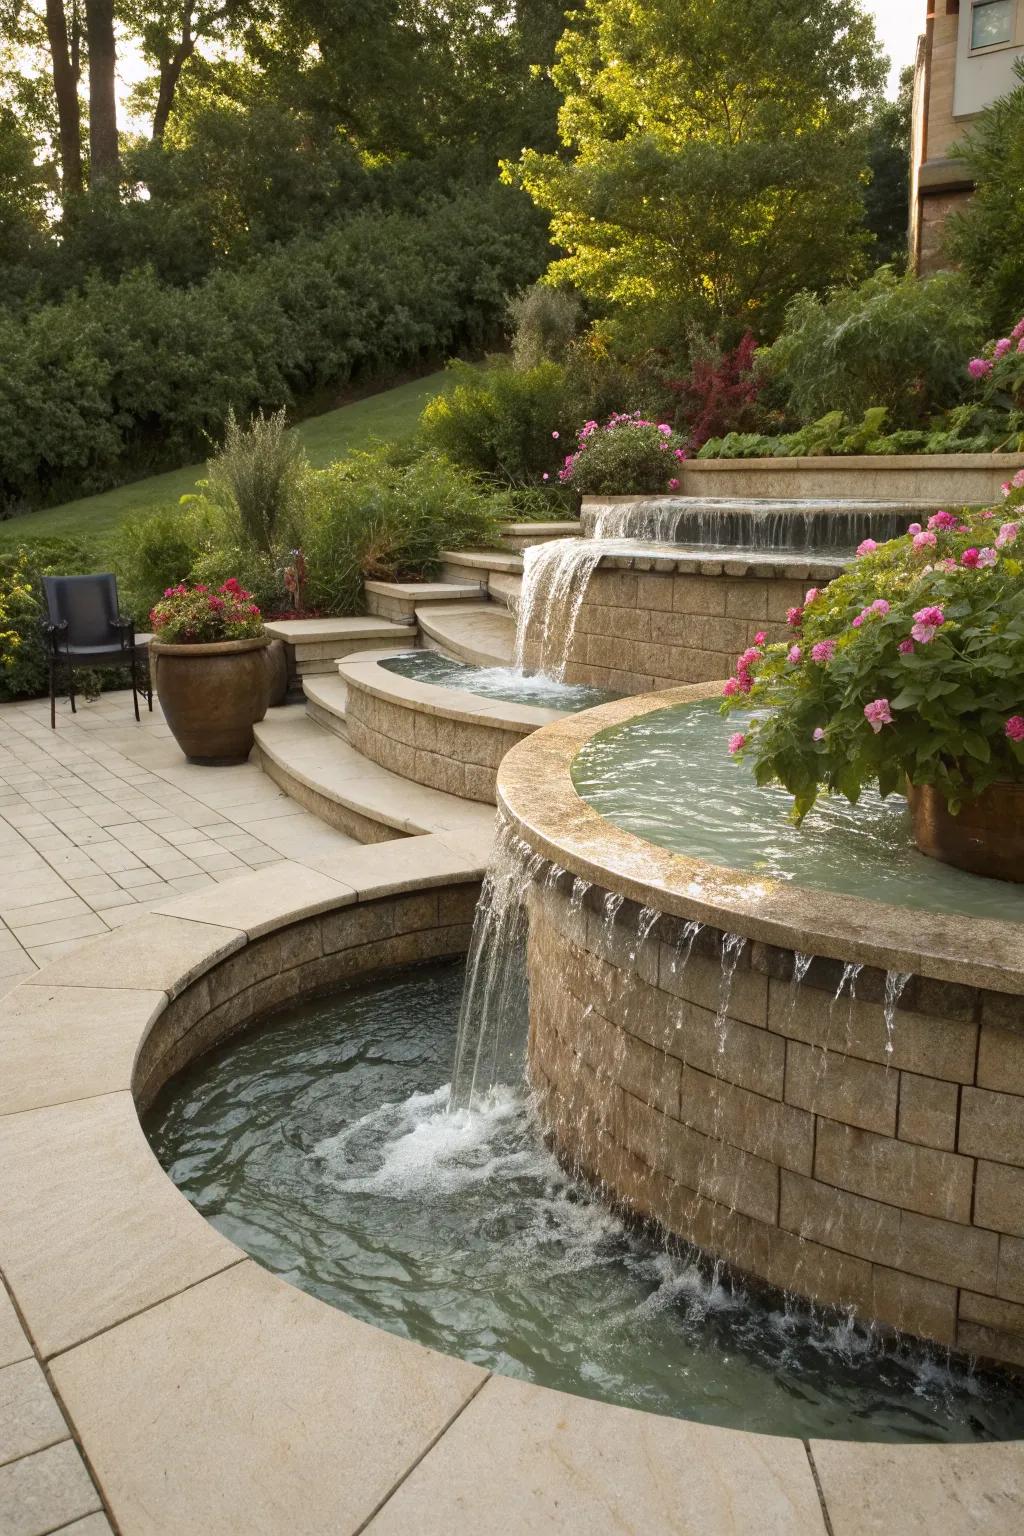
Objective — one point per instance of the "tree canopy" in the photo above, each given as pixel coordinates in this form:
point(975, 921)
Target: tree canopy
point(713, 158)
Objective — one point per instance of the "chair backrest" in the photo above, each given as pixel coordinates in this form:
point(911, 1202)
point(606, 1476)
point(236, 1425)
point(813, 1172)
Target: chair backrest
point(88, 603)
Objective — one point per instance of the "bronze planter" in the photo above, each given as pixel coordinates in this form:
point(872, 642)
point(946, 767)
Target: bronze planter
point(986, 838)
point(212, 695)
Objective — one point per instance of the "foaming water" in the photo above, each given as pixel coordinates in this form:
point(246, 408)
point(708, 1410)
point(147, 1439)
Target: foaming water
point(323, 1143)
point(631, 774)
point(555, 580)
point(797, 527)
point(507, 683)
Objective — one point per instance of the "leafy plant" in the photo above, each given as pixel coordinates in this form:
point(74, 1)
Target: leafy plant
point(897, 342)
point(198, 615)
point(628, 453)
point(545, 321)
point(908, 667)
point(720, 393)
point(255, 477)
point(501, 421)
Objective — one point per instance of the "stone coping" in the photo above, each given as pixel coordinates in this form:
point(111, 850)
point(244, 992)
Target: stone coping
point(862, 461)
point(207, 1394)
point(535, 791)
point(484, 559)
point(367, 675)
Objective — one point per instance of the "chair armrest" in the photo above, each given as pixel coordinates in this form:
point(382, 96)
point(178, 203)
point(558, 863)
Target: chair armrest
point(126, 630)
point(52, 632)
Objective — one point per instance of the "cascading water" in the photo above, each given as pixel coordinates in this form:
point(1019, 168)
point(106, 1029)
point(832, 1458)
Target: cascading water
point(555, 580)
point(806, 527)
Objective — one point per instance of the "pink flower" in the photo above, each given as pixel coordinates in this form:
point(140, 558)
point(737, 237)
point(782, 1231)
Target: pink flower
point(987, 557)
point(866, 547)
point(914, 528)
point(880, 606)
point(810, 595)
point(1018, 480)
point(760, 637)
point(924, 540)
point(680, 454)
point(749, 657)
point(927, 623)
point(858, 621)
point(1020, 345)
point(877, 714)
point(1002, 346)
point(823, 651)
point(1007, 535)
point(794, 617)
point(949, 564)
point(978, 367)
point(673, 485)
point(970, 558)
point(905, 647)
point(818, 734)
point(1014, 728)
point(1018, 331)
point(942, 520)
point(737, 743)
point(556, 436)
point(732, 688)
point(545, 477)
point(795, 656)
point(664, 429)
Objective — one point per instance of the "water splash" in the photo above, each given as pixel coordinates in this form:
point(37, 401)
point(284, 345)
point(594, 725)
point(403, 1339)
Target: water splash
point(895, 984)
point(555, 580)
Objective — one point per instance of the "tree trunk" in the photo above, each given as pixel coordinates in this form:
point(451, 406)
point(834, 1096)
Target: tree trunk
point(170, 72)
point(103, 155)
point(65, 89)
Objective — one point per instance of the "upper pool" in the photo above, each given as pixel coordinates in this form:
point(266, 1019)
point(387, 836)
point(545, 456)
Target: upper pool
point(668, 777)
point(506, 683)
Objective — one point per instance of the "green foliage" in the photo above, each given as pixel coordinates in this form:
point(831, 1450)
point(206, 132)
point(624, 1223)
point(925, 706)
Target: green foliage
point(545, 321)
point(893, 342)
point(133, 376)
point(387, 515)
point(906, 667)
point(717, 157)
point(255, 477)
point(156, 550)
point(987, 237)
point(627, 455)
point(501, 421)
point(200, 615)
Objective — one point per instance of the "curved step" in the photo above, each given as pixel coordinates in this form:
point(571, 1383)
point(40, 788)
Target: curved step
point(326, 701)
point(334, 781)
point(484, 634)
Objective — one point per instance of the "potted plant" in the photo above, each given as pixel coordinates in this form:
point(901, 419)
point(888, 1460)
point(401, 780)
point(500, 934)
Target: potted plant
point(907, 673)
point(210, 670)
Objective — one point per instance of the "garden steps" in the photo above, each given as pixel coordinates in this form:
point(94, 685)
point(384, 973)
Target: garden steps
point(314, 645)
point(519, 536)
point(481, 633)
point(327, 776)
point(399, 600)
point(502, 574)
point(326, 698)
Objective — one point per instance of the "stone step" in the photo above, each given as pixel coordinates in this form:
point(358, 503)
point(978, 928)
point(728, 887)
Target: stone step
point(502, 574)
point(482, 634)
point(326, 698)
point(520, 536)
point(314, 645)
point(330, 778)
point(398, 600)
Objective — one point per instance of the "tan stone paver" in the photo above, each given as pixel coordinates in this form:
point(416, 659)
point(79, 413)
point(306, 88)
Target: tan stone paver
point(102, 820)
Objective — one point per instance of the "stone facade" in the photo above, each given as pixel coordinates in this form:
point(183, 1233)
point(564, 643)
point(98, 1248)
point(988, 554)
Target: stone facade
point(801, 1137)
point(641, 628)
point(460, 757)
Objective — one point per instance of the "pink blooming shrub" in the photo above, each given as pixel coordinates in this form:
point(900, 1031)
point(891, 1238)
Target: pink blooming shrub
point(866, 547)
point(737, 743)
point(199, 615)
point(909, 666)
point(627, 453)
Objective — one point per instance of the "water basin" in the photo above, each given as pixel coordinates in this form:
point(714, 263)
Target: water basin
point(321, 1143)
point(506, 683)
point(632, 774)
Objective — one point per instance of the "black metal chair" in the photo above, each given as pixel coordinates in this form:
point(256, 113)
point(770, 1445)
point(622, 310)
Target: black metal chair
point(84, 628)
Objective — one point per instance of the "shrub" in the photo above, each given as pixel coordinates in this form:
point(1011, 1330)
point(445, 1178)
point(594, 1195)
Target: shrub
point(545, 321)
point(628, 454)
point(908, 666)
point(157, 550)
point(387, 514)
point(720, 394)
point(198, 615)
point(893, 342)
point(501, 421)
point(255, 477)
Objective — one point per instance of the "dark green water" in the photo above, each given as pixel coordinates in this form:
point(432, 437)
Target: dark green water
point(320, 1143)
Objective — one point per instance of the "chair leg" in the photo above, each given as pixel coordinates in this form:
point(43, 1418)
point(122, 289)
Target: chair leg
point(135, 691)
point(53, 695)
point(71, 687)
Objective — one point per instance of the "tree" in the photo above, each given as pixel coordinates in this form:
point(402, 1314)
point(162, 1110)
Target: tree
point(65, 62)
point(887, 199)
point(104, 160)
point(987, 238)
point(714, 157)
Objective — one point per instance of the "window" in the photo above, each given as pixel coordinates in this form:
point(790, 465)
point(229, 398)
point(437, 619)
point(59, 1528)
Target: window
point(992, 22)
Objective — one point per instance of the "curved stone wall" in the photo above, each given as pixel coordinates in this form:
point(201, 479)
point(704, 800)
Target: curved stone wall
point(863, 1161)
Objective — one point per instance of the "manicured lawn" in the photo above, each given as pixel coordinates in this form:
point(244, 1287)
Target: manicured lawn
point(391, 414)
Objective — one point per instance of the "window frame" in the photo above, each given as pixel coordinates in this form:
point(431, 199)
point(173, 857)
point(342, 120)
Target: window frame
point(1013, 41)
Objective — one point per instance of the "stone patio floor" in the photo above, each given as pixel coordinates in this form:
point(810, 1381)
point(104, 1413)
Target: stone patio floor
point(102, 819)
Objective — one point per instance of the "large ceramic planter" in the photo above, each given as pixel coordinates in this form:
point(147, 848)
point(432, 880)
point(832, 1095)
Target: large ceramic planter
point(987, 837)
point(212, 695)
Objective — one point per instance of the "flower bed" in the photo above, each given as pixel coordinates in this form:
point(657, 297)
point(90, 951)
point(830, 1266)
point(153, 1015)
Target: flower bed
point(907, 668)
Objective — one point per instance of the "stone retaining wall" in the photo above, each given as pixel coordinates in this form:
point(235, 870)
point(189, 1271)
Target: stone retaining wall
point(307, 957)
point(457, 756)
point(787, 1132)
point(648, 624)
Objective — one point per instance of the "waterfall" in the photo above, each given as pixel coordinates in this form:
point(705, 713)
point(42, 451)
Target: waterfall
point(555, 580)
point(810, 527)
